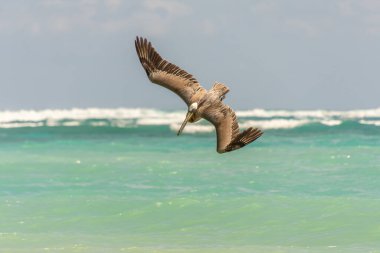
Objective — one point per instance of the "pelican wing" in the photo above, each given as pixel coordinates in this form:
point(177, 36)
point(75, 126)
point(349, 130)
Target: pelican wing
point(166, 74)
point(229, 137)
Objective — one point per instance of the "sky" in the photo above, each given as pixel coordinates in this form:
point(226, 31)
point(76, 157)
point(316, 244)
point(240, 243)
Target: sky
point(272, 54)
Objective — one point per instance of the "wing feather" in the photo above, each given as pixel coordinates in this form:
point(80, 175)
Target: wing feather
point(229, 137)
point(166, 74)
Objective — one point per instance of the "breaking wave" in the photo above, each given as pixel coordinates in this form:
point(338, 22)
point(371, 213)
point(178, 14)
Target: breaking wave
point(134, 117)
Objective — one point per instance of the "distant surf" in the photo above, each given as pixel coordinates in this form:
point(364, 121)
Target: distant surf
point(134, 117)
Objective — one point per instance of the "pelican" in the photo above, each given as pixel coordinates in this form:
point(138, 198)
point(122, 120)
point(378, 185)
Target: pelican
point(201, 103)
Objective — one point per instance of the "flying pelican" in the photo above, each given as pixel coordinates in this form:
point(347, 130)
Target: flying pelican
point(201, 103)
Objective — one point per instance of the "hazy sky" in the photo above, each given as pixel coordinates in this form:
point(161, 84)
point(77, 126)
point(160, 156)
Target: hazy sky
point(293, 54)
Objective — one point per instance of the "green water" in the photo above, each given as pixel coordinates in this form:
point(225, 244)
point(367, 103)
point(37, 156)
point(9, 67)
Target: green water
point(143, 189)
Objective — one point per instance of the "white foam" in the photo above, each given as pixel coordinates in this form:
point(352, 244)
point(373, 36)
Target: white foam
point(370, 122)
point(71, 123)
point(261, 113)
point(356, 114)
point(193, 128)
point(132, 117)
point(331, 122)
point(321, 114)
point(275, 123)
point(20, 124)
point(98, 124)
point(78, 114)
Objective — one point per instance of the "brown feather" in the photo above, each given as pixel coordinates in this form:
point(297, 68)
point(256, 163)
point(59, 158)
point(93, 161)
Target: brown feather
point(166, 74)
point(229, 137)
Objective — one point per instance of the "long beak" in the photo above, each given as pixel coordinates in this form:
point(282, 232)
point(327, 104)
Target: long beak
point(188, 116)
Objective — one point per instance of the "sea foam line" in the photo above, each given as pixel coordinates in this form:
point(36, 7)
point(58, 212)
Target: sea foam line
point(125, 117)
point(321, 114)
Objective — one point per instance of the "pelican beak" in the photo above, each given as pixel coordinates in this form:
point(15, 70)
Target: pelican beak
point(188, 116)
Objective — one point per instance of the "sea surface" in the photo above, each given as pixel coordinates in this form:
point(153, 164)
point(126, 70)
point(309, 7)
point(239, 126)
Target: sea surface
point(120, 180)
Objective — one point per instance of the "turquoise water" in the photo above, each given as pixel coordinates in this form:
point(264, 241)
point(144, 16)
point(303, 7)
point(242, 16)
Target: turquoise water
point(103, 187)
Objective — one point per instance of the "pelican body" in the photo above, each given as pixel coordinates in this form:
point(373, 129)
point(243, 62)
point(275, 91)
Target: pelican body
point(201, 103)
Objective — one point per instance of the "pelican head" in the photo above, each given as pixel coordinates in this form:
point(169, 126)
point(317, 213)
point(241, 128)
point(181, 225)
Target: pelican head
point(192, 109)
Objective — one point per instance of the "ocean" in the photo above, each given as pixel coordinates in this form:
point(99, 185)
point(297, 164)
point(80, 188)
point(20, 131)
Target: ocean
point(120, 180)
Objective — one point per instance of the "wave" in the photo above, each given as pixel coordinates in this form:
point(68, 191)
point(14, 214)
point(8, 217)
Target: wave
point(318, 114)
point(134, 117)
point(370, 122)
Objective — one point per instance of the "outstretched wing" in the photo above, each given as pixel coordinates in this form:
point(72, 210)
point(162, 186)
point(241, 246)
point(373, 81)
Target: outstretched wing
point(229, 137)
point(166, 74)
